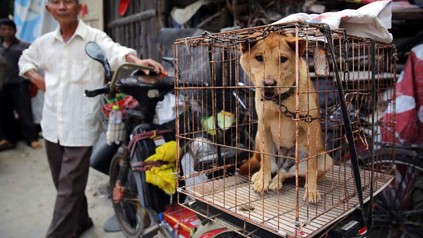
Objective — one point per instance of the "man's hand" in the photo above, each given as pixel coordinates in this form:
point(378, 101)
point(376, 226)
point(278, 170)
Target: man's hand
point(147, 62)
point(36, 79)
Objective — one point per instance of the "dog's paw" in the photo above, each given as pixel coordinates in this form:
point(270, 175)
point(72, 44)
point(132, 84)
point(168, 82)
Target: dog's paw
point(259, 184)
point(257, 176)
point(275, 184)
point(312, 195)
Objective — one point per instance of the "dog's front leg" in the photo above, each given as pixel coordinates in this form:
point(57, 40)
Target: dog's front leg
point(311, 191)
point(261, 179)
point(287, 168)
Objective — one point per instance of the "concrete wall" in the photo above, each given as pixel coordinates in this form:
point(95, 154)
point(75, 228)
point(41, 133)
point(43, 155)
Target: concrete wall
point(92, 13)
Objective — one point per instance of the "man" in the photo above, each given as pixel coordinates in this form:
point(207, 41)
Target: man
point(70, 121)
point(15, 96)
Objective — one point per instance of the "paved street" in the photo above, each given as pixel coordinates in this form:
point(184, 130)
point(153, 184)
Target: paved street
point(27, 196)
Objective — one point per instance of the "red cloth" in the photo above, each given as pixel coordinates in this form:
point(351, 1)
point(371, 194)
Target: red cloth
point(409, 101)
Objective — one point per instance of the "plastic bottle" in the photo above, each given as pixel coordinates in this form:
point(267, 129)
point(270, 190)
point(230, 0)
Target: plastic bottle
point(115, 128)
point(117, 114)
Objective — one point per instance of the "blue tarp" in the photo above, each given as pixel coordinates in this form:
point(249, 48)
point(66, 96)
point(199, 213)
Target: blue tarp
point(32, 19)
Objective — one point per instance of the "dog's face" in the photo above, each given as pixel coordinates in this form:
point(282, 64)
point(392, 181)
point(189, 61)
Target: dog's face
point(270, 63)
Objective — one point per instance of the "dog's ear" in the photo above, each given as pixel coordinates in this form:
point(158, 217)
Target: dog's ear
point(301, 44)
point(246, 46)
point(249, 42)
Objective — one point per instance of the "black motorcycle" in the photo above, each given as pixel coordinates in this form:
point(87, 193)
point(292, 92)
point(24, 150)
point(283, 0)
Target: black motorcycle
point(136, 203)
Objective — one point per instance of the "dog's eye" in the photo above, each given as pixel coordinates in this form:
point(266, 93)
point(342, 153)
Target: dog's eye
point(259, 58)
point(283, 59)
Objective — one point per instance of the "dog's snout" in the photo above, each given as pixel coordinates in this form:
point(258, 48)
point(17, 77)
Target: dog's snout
point(268, 91)
point(269, 83)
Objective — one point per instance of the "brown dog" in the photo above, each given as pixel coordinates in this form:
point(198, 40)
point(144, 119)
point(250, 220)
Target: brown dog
point(271, 64)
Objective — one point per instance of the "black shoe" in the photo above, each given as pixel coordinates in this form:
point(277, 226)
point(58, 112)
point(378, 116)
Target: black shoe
point(84, 227)
point(6, 145)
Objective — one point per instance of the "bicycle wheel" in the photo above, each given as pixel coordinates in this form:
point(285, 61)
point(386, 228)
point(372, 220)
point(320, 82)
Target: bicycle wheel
point(398, 209)
point(131, 216)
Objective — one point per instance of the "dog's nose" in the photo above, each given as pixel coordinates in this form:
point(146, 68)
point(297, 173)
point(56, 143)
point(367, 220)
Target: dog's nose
point(269, 83)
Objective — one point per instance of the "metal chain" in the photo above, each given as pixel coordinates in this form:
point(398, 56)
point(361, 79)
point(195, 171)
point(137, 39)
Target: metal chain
point(235, 39)
point(307, 117)
point(246, 37)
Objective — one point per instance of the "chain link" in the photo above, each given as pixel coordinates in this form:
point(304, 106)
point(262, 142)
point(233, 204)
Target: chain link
point(212, 38)
point(307, 118)
point(245, 37)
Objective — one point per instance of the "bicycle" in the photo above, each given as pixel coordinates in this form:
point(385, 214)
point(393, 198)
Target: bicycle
point(136, 203)
point(398, 209)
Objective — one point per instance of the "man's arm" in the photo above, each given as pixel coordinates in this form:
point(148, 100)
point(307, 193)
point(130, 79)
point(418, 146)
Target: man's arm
point(36, 78)
point(28, 63)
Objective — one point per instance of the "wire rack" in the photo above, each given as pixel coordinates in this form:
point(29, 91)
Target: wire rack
point(218, 123)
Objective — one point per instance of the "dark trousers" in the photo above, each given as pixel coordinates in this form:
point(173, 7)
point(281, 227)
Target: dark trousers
point(69, 168)
point(16, 97)
point(2, 137)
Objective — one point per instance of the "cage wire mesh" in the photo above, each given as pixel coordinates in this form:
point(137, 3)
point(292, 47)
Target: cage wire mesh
point(218, 123)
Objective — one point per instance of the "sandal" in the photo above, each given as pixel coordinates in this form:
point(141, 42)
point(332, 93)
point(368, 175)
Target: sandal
point(36, 145)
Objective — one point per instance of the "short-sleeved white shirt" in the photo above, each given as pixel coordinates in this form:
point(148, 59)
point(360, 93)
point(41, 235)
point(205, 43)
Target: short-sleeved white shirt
point(68, 116)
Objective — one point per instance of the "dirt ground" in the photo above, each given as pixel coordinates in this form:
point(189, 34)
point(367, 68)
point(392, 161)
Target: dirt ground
point(27, 196)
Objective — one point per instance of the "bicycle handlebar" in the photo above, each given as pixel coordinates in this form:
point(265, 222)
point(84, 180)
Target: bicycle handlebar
point(111, 87)
point(131, 66)
point(98, 91)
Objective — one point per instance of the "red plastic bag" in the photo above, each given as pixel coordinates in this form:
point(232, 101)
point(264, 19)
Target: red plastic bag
point(124, 102)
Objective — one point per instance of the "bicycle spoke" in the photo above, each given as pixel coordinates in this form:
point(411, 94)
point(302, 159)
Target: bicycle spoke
point(398, 209)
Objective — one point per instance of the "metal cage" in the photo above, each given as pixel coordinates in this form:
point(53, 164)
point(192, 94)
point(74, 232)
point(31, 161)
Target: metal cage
point(353, 80)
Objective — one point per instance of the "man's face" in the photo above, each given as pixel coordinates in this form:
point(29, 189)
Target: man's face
point(7, 32)
point(64, 11)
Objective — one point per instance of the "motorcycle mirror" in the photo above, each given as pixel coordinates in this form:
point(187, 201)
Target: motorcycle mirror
point(95, 52)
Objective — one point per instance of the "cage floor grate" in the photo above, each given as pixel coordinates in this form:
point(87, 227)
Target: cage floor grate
point(275, 211)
